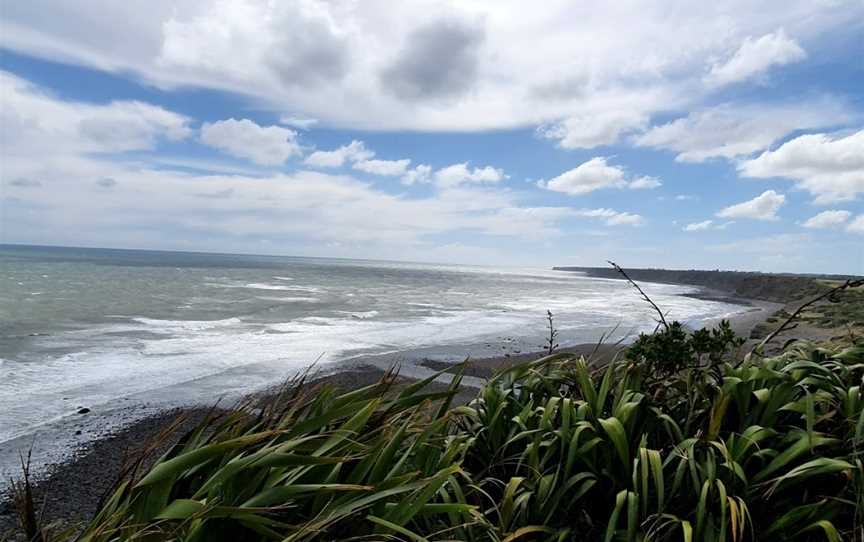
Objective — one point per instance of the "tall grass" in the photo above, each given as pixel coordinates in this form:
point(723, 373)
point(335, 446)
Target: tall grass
point(721, 448)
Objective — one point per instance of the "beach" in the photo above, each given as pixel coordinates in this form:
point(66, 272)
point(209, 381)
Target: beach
point(73, 485)
point(94, 339)
point(87, 456)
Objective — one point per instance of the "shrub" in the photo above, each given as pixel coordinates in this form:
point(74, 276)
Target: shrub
point(765, 449)
point(673, 349)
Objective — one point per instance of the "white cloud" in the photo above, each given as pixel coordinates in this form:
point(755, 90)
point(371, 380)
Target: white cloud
point(754, 57)
point(460, 173)
point(831, 167)
point(611, 217)
point(589, 130)
point(622, 219)
point(353, 152)
point(685, 197)
point(762, 207)
point(387, 168)
point(706, 225)
point(37, 124)
point(857, 225)
point(419, 174)
point(596, 174)
point(730, 131)
point(307, 208)
point(828, 219)
point(644, 183)
point(362, 65)
point(303, 123)
point(699, 226)
point(362, 159)
point(265, 145)
point(72, 194)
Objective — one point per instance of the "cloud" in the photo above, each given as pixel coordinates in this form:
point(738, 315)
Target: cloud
point(707, 225)
point(762, 207)
point(419, 174)
point(109, 200)
point(699, 226)
point(292, 45)
point(831, 167)
point(827, 219)
point(38, 124)
point(355, 151)
point(439, 61)
point(387, 168)
point(729, 131)
point(590, 130)
point(440, 66)
point(303, 123)
point(857, 225)
point(304, 209)
point(645, 183)
point(460, 173)
point(265, 145)
point(611, 217)
point(522, 222)
point(21, 182)
point(314, 55)
point(362, 159)
point(754, 57)
point(218, 194)
point(596, 174)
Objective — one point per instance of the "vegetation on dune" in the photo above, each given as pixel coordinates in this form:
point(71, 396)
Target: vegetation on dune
point(840, 307)
point(685, 437)
point(550, 450)
point(847, 309)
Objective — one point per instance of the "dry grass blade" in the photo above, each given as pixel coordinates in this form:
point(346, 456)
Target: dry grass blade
point(25, 507)
point(661, 316)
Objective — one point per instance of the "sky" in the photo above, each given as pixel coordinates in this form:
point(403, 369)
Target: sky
point(723, 134)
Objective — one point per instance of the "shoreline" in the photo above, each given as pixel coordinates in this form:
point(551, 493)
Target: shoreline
point(73, 484)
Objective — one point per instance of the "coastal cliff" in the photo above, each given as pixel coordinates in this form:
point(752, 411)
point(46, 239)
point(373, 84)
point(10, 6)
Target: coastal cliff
point(779, 288)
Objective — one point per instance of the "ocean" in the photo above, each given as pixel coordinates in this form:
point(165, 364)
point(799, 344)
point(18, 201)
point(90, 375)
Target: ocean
point(98, 327)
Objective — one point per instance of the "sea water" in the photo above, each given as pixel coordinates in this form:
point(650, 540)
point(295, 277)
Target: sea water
point(90, 327)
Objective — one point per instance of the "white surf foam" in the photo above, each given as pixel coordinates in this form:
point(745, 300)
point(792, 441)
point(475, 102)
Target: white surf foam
point(116, 360)
point(361, 315)
point(174, 326)
point(289, 299)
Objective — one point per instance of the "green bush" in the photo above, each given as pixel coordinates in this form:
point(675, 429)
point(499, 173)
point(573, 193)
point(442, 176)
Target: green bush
point(660, 355)
point(680, 440)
